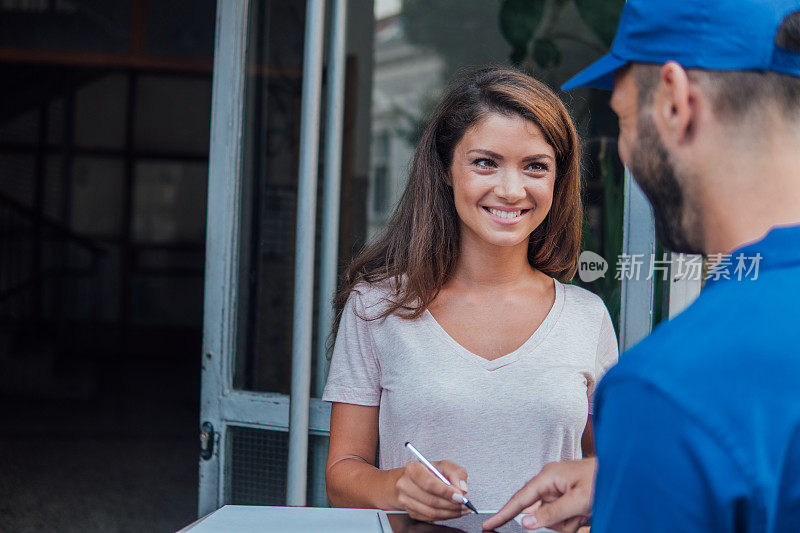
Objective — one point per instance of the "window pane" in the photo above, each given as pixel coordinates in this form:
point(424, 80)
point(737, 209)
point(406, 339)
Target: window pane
point(21, 128)
point(100, 113)
point(256, 467)
point(97, 195)
point(270, 160)
point(88, 25)
point(173, 113)
point(181, 28)
point(170, 202)
point(269, 195)
point(166, 300)
point(17, 176)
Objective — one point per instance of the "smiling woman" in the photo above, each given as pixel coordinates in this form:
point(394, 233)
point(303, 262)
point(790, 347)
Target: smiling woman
point(458, 329)
point(503, 168)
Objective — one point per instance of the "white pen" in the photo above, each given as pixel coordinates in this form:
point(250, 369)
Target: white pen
point(438, 474)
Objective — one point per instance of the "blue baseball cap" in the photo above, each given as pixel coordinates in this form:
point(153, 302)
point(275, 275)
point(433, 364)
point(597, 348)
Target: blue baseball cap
point(705, 34)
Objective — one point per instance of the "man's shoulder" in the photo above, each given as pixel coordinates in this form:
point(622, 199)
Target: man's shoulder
point(689, 339)
point(681, 360)
point(730, 330)
point(711, 360)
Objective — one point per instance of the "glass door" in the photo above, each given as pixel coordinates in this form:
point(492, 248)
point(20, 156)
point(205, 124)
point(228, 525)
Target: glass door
point(276, 177)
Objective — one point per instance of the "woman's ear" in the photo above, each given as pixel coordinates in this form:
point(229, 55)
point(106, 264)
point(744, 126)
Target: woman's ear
point(448, 179)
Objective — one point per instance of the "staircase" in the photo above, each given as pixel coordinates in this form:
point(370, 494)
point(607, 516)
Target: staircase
point(40, 262)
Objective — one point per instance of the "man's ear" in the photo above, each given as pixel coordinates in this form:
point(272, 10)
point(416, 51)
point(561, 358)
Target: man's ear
point(675, 104)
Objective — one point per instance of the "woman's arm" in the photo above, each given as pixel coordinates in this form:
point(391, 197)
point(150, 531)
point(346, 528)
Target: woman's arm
point(607, 354)
point(353, 480)
point(351, 477)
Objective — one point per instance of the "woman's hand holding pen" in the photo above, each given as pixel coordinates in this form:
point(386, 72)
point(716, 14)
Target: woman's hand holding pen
point(425, 497)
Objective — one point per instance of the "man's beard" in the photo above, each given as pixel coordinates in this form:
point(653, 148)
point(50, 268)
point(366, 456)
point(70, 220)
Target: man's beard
point(655, 174)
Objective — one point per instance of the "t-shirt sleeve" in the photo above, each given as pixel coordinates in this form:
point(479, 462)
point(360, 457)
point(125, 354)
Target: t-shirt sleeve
point(354, 375)
point(606, 356)
point(661, 471)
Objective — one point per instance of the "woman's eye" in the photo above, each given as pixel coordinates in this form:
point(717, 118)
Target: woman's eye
point(538, 167)
point(484, 163)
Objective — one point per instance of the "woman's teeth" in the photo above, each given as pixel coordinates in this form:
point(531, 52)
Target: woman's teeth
point(504, 214)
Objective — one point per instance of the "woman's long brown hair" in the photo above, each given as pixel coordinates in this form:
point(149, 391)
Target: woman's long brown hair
point(419, 249)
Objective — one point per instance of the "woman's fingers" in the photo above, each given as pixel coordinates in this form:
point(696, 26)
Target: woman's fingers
point(426, 497)
point(422, 505)
point(455, 473)
point(420, 511)
point(434, 486)
point(428, 489)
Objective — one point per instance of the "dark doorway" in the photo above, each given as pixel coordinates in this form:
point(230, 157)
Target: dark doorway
point(104, 125)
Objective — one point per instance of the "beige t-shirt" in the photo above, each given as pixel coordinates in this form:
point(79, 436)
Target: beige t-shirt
point(502, 420)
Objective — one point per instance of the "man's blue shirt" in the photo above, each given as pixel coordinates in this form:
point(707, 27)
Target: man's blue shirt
point(698, 426)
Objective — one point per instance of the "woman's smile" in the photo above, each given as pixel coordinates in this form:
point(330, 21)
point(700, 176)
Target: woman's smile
point(505, 215)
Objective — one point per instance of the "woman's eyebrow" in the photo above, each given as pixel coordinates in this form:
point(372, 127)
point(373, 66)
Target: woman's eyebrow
point(537, 157)
point(494, 155)
point(497, 156)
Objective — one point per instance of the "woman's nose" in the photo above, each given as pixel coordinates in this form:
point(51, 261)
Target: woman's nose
point(510, 187)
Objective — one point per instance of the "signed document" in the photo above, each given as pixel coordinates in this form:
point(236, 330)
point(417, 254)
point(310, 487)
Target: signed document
point(471, 523)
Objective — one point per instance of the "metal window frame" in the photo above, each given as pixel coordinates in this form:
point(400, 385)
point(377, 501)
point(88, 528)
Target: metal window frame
point(332, 183)
point(303, 302)
point(637, 292)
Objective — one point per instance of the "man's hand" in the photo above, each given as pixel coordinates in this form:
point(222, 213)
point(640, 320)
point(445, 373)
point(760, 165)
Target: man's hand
point(565, 491)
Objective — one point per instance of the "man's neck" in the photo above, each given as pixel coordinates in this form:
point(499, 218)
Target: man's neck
point(751, 191)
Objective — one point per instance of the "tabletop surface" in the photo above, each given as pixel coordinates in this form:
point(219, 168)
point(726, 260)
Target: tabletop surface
point(253, 518)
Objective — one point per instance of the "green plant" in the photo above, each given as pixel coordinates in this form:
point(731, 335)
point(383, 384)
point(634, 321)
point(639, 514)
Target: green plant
point(532, 29)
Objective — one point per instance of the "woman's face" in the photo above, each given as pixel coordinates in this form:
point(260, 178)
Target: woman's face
point(503, 173)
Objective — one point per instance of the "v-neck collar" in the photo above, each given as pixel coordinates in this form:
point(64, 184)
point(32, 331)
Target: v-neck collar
point(534, 340)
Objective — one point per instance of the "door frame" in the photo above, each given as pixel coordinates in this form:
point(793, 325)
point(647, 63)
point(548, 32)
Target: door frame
point(222, 237)
point(221, 405)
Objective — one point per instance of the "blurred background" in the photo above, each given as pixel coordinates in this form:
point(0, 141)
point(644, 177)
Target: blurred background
point(105, 121)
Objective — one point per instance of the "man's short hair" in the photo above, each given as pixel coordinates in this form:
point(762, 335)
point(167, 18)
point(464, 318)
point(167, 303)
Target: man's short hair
point(737, 92)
